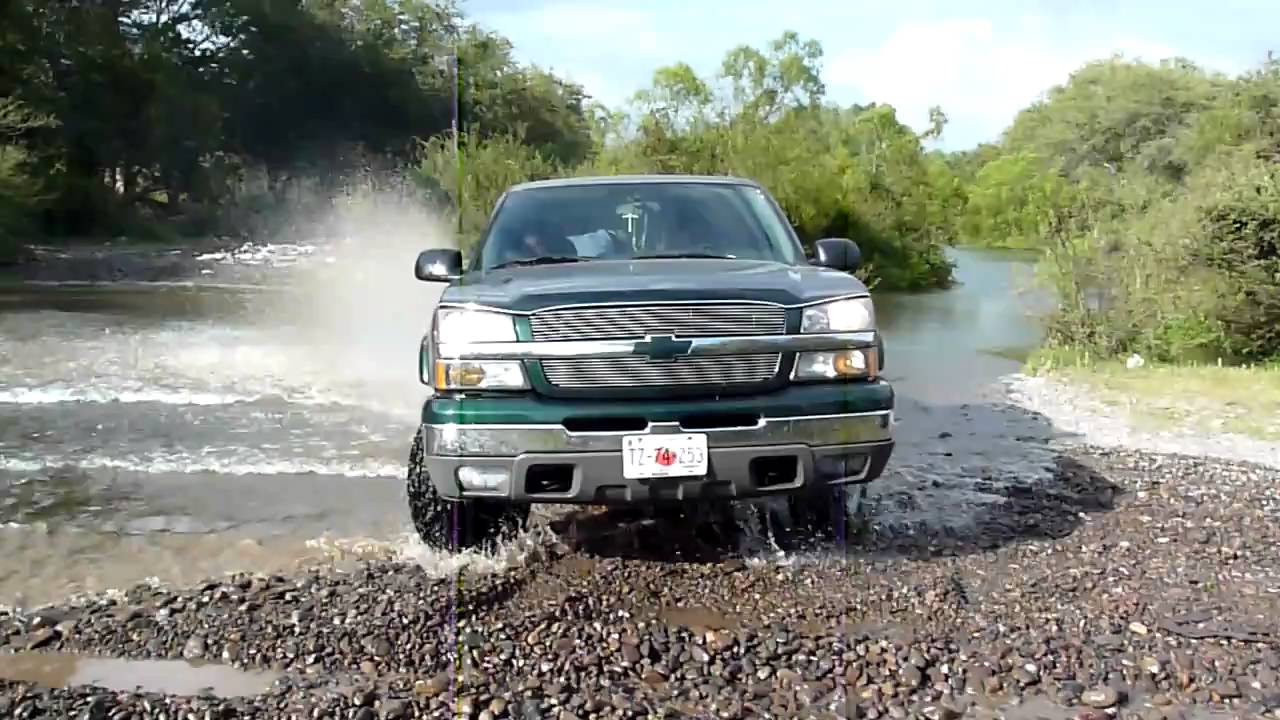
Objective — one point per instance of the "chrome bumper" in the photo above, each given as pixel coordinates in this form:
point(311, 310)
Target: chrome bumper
point(512, 440)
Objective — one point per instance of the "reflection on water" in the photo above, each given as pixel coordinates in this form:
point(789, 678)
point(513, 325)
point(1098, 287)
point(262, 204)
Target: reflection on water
point(172, 677)
point(942, 346)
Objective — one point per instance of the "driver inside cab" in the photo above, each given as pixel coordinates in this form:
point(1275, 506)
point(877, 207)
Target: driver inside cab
point(684, 231)
point(536, 239)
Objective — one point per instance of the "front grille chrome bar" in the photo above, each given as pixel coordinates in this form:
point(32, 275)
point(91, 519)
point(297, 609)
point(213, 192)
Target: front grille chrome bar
point(632, 322)
point(632, 372)
point(748, 345)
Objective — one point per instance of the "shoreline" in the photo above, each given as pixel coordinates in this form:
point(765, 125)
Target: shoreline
point(1078, 411)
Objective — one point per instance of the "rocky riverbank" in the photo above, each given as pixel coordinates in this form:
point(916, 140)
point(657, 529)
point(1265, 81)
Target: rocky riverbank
point(1133, 585)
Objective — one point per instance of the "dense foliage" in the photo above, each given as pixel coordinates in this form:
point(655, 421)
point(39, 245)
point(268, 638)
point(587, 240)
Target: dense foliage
point(1155, 194)
point(193, 116)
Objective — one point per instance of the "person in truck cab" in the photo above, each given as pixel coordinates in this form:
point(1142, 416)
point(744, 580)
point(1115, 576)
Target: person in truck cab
point(684, 232)
point(537, 238)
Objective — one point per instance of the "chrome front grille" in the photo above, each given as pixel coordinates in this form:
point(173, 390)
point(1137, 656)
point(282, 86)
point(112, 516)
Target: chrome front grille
point(624, 322)
point(643, 372)
point(620, 322)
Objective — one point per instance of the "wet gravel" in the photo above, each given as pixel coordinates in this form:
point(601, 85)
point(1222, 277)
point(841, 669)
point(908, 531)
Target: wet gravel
point(1130, 585)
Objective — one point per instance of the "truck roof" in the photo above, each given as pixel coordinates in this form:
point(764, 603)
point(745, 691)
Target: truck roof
point(629, 179)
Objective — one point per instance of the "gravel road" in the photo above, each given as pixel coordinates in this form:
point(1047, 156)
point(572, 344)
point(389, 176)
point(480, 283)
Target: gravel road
point(1132, 585)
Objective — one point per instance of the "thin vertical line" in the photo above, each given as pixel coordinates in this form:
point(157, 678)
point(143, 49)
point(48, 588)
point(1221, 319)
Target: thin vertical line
point(456, 511)
point(457, 128)
point(842, 512)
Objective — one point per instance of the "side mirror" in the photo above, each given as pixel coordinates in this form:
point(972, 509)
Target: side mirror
point(837, 254)
point(438, 265)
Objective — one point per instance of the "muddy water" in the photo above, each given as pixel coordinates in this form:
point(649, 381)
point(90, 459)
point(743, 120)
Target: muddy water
point(174, 677)
point(959, 440)
point(182, 432)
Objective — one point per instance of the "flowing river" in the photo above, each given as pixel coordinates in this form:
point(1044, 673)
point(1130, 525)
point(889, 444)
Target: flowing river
point(178, 432)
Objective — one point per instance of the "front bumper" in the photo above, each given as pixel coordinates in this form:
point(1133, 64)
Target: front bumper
point(548, 463)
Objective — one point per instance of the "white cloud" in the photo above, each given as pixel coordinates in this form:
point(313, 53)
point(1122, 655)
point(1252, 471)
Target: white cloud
point(979, 76)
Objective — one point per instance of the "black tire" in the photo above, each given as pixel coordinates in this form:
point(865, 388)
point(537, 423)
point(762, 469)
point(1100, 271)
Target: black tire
point(838, 513)
point(456, 524)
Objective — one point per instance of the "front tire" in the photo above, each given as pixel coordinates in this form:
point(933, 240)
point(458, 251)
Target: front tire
point(835, 513)
point(456, 525)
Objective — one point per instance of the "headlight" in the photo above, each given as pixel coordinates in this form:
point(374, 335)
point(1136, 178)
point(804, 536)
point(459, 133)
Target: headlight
point(850, 364)
point(850, 315)
point(478, 375)
point(461, 326)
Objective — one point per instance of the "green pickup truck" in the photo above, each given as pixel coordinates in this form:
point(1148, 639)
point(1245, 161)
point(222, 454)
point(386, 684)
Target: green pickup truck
point(644, 340)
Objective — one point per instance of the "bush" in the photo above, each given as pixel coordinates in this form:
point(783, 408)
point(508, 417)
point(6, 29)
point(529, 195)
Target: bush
point(1239, 239)
point(1193, 277)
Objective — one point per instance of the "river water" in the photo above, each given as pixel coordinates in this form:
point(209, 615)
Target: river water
point(172, 432)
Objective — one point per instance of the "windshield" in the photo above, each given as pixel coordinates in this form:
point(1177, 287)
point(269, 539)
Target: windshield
point(634, 221)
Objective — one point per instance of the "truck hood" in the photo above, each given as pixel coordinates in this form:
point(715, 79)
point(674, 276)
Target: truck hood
point(530, 288)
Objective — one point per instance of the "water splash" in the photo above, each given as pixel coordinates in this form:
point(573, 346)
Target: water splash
point(355, 314)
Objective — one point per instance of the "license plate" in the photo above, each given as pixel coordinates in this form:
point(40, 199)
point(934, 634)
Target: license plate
point(658, 456)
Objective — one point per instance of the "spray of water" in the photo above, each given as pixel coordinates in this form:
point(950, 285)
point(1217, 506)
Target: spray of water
point(353, 316)
point(353, 313)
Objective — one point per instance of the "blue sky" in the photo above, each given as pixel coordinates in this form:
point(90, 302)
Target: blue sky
point(981, 61)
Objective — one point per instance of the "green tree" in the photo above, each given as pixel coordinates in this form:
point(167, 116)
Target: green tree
point(1012, 200)
point(20, 190)
point(1110, 110)
point(1152, 189)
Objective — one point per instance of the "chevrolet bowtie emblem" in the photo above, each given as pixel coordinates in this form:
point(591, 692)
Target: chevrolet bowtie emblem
point(662, 347)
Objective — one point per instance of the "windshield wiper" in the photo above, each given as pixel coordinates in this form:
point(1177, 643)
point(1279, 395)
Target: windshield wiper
point(668, 256)
point(544, 260)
